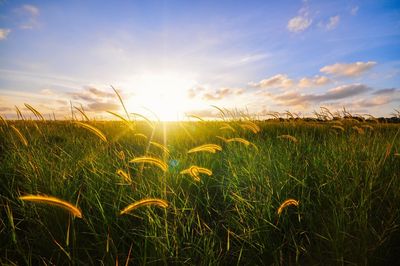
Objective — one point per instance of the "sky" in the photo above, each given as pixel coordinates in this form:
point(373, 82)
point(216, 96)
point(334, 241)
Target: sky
point(175, 58)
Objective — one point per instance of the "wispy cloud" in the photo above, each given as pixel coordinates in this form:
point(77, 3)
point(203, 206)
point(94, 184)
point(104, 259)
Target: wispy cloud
point(28, 16)
point(277, 81)
point(295, 98)
point(300, 22)
point(390, 91)
point(4, 33)
point(333, 22)
point(313, 81)
point(354, 10)
point(349, 70)
point(95, 99)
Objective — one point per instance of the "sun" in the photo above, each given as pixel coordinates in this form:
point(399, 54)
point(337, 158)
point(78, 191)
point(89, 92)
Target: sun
point(165, 95)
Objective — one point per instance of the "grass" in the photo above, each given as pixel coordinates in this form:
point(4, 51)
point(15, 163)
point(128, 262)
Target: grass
point(302, 193)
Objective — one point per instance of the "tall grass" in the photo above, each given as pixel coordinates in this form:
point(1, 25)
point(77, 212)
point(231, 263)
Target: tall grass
point(227, 207)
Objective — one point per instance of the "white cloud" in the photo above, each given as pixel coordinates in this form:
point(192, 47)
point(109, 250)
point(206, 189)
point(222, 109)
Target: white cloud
point(354, 10)
point(349, 70)
point(313, 82)
point(277, 81)
point(28, 15)
point(333, 22)
point(4, 33)
point(299, 24)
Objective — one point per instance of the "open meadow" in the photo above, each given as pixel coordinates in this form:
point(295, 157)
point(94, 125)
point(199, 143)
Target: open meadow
point(235, 192)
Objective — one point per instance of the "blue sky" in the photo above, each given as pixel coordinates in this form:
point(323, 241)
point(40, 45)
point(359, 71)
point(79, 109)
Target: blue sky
point(177, 57)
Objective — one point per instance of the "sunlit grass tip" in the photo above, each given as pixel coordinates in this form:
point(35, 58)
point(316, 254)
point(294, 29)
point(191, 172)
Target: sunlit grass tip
point(144, 202)
point(92, 129)
point(212, 148)
point(126, 176)
point(288, 137)
point(195, 172)
point(20, 135)
point(155, 161)
point(53, 201)
point(286, 203)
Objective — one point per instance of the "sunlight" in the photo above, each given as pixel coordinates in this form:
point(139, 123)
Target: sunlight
point(164, 94)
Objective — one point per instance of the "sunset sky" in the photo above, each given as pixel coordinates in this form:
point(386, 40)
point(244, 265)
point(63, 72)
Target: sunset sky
point(177, 57)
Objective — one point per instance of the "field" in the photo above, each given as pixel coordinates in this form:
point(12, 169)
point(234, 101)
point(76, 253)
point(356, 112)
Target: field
point(266, 192)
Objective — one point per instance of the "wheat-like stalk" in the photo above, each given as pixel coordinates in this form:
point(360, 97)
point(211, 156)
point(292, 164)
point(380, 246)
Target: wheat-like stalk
point(144, 202)
point(359, 130)
point(286, 203)
point(20, 136)
point(3, 120)
point(34, 111)
point(140, 135)
point(126, 122)
point(195, 116)
point(148, 122)
point(195, 172)
point(288, 137)
point(241, 140)
point(212, 148)
point(251, 126)
point(338, 127)
point(53, 201)
point(160, 146)
point(367, 126)
point(19, 114)
point(82, 113)
point(162, 165)
point(126, 176)
point(122, 102)
point(92, 129)
point(226, 126)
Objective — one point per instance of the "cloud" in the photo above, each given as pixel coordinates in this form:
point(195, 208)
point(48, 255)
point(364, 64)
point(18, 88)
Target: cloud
point(102, 106)
point(277, 81)
point(4, 33)
point(375, 101)
point(295, 98)
point(390, 91)
point(195, 91)
point(299, 24)
point(333, 22)
point(354, 10)
point(222, 93)
point(5, 109)
point(100, 93)
point(28, 15)
point(349, 70)
point(313, 82)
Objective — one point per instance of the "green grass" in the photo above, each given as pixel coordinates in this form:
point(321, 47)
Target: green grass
point(347, 184)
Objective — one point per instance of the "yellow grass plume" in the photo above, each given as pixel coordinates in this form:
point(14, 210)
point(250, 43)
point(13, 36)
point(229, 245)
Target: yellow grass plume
point(338, 127)
point(250, 126)
point(359, 130)
point(20, 136)
point(140, 135)
point(195, 116)
point(241, 140)
point(3, 120)
point(195, 172)
point(148, 122)
point(213, 148)
point(123, 119)
point(82, 113)
point(226, 126)
point(92, 129)
point(288, 137)
point(286, 203)
point(160, 146)
point(19, 114)
point(368, 126)
point(53, 201)
point(34, 111)
point(126, 176)
point(157, 162)
point(145, 202)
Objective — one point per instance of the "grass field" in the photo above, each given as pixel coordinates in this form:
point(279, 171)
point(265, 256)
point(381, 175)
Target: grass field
point(341, 179)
